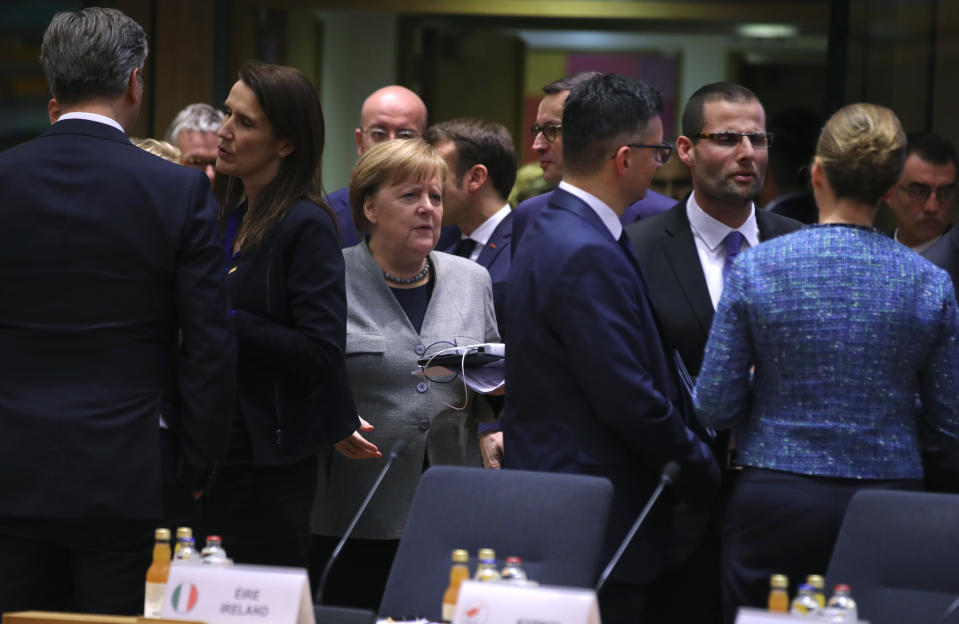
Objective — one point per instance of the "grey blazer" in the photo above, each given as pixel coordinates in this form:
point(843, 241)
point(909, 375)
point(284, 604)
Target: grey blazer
point(381, 352)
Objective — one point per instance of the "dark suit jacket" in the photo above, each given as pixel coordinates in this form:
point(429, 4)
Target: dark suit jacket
point(667, 255)
point(800, 206)
point(591, 390)
point(106, 252)
point(339, 201)
point(289, 300)
point(652, 204)
point(945, 253)
point(495, 256)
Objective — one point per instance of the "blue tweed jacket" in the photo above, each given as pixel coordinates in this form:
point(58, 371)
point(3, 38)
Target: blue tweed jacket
point(845, 328)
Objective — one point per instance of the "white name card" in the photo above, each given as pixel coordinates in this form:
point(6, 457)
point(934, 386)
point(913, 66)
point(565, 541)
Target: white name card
point(506, 603)
point(239, 594)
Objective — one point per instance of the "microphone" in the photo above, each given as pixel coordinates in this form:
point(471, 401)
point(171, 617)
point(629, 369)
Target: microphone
point(397, 449)
point(668, 476)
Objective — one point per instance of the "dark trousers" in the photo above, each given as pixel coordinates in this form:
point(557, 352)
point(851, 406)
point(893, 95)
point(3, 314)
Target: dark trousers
point(783, 523)
point(358, 578)
point(262, 513)
point(89, 566)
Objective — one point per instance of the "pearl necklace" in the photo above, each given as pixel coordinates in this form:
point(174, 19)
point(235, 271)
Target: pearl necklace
point(409, 280)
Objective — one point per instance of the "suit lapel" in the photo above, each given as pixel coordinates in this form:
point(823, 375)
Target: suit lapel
point(680, 250)
point(497, 242)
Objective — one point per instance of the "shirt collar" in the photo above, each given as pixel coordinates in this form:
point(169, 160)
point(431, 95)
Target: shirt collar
point(606, 214)
point(921, 247)
point(713, 231)
point(92, 117)
point(482, 233)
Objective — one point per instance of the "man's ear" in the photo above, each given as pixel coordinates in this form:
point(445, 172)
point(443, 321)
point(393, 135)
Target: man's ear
point(476, 177)
point(53, 110)
point(134, 92)
point(358, 133)
point(684, 149)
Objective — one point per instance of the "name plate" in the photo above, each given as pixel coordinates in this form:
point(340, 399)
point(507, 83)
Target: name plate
point(238, 594)
point(506, 603)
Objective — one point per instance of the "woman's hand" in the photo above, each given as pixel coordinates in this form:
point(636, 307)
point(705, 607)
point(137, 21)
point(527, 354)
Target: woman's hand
point(356, 446)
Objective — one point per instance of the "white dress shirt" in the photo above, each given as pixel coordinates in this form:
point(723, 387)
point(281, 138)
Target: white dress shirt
point(92, 117)
point(710, 235)
point(606, 214)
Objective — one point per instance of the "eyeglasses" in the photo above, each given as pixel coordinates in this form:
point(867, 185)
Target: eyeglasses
point(759, 140)
point(199, 163)
point(550, 131)
point(378, 135)
point(661, 152)
point(919, 193)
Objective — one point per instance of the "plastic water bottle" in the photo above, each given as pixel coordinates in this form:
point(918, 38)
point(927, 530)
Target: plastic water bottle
point(513, 572)
point(213, 553)
point(841, 607)
point(805, 602)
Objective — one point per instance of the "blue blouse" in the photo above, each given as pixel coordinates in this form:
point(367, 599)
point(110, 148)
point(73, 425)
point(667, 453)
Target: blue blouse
point(845, 328)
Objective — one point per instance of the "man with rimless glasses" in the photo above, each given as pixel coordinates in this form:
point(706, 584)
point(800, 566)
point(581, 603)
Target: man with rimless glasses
point(925, 198)
point(547, 136)
point(684, 253)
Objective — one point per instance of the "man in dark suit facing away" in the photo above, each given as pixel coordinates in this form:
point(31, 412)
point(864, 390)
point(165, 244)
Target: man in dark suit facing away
point(591, 388)
point(107, 253)
point(683, 253)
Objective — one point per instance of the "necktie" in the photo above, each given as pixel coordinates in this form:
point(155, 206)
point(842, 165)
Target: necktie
point(464, 248)
point(734, 242)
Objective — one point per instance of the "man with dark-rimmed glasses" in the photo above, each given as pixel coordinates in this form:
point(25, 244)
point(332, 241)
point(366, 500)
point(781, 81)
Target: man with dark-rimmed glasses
point(547, 136)
point(683, 254)
point(925, 198)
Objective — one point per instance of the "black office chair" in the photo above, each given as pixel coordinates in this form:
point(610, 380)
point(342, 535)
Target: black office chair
point(555, 522)
point(899, 552)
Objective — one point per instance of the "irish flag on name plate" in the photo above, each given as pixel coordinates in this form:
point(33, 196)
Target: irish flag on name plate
point(184, 597)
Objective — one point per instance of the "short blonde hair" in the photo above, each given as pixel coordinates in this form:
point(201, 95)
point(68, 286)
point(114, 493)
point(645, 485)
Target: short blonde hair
point(388, 163)
point(159, 148)
point(862, 150)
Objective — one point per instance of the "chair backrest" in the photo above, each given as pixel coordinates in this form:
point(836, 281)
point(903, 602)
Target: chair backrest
point(325, 614)
point(555, 522)
point(899, 552)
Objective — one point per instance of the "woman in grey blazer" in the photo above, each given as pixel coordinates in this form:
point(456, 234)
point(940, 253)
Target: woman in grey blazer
point(404, 300)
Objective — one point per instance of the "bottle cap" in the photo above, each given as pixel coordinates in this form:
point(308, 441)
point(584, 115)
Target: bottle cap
point(460, 556)
point(487, 553)
point(162, 535)
point(841, 588)
point(182, 532)
point(816, 580)
point(779, 581)
point(214, 539)
point(515, 560)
